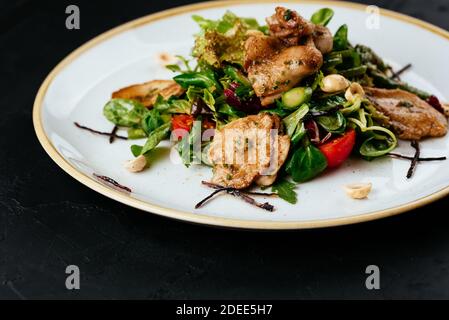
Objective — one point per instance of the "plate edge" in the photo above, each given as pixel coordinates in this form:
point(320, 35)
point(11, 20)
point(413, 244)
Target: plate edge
point(199, 218)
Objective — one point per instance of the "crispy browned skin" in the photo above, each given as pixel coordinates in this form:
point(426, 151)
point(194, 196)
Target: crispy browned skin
point(147, 92)
point(289, 26)
point(271, 75)
point(292, 51)
point(240, 163)
point(259, 47)
point(410, 117)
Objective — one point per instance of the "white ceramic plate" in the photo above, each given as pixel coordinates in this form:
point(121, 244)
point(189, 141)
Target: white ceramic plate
point(78, 87)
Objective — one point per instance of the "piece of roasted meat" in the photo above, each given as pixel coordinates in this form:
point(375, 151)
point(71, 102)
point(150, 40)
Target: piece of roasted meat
point(293, 50)
point(410, 117)
point(147, 93)
point(288, 26)
point(248, 150)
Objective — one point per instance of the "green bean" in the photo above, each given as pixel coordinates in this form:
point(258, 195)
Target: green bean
point(353, 72)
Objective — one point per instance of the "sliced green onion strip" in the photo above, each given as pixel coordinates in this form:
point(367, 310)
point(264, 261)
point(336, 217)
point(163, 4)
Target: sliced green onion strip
point(353, 108)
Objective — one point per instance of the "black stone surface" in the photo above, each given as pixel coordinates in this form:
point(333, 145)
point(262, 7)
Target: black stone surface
point(48, 220)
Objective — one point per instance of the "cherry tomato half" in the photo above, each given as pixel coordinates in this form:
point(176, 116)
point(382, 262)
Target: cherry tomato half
point(338, 150)
point(181, 124)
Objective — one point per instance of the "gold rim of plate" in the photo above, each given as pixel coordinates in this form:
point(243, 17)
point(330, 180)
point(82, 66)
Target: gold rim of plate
point(199, 218)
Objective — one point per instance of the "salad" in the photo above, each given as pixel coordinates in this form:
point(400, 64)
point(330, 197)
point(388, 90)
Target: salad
point(275, 105)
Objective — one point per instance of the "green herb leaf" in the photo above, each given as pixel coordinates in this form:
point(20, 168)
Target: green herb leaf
point(193, 93)
point(293, 120)
point(251, 23)
point(299, 133)
point(327, 103)
point(317, 80)
point(322, 16)
point(222, 40)
point(136, 133)
point(155, 137)
point(227, 22)
point(151, 121)
point(264, 29)
point(285, 190)
point(197, 79)
point(185, 61)
point(124, 112)
point(237, 76)
point(341, 38)
point(230, 111)
point(205, 24)
point(306, 163)
point(173, 67)
point(172, 105)
point(335, 123)
point(208, 99)
point(161, 104)
point(180, 106)
point(136, 150)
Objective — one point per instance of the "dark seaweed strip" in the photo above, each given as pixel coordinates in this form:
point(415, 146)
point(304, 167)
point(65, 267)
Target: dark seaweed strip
point(202, 202)
point(248, 199)
point(217, 186)
point(112, 182)
point(262, 194)
point(411, 170)
point(400, 71)
point(236, 193)
point(400, 156)
point(212, 185)
point(113, 133)
point(99, 132)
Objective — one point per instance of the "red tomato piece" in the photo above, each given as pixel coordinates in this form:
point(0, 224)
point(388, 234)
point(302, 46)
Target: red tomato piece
point(181, 124)
point(338, 150)
point(182, 121)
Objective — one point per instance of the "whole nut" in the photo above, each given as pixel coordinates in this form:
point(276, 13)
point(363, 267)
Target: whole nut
point(358, 190)
point(137, 164)
point(355, 89)
point(334, 83)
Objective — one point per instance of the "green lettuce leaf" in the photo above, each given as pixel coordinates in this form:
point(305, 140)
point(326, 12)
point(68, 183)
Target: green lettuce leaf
point(285, 190)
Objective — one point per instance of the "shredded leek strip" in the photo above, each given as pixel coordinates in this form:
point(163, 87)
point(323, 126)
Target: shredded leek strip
point(378, 128)
point(352, 108)
point(367, 125)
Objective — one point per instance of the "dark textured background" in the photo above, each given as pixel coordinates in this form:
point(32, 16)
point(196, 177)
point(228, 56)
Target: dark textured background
point(48, 220)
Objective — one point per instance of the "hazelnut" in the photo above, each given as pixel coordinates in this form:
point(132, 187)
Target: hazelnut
point(334, 83)
point(355, 89)
point(358, 190)
point(137, 164)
